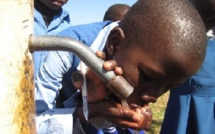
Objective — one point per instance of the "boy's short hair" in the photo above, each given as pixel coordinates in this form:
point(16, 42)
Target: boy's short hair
point(176, 19)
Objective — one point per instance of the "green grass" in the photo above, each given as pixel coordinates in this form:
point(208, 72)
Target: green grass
point(158, 109)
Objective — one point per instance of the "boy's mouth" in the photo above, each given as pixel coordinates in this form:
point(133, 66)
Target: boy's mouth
point(57, 3)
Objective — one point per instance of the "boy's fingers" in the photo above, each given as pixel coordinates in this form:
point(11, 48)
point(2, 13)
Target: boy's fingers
point(109, 65)
point(101, 55)
point(77, 79)
point(133, 122)
point(139, 119)
point(126, 119)
point(118, 70)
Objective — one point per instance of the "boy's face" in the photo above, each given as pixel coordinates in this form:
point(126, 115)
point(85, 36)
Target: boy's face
point(152, 71)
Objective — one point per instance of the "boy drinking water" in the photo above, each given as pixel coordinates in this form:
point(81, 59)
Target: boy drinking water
point(157, 45)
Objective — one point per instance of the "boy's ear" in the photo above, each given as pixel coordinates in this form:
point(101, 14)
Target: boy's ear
point(115, 40)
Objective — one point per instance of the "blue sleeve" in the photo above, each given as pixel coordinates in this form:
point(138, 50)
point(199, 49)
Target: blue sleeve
point(84, 33)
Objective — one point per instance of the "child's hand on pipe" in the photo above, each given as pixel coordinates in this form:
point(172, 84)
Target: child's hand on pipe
point(96, 89)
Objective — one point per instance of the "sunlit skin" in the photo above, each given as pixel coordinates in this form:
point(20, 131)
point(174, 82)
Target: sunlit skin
point(152, 72)
point(54, 4)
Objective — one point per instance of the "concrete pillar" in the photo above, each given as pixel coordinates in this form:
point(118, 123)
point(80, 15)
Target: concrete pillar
point(17, 110)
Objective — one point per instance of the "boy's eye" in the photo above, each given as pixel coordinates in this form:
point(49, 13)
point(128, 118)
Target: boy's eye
point(144, 76)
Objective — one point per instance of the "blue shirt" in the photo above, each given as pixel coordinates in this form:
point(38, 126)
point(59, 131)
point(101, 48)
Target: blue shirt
point(59, 23)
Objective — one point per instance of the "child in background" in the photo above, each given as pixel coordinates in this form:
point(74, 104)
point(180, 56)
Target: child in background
point(116, 12)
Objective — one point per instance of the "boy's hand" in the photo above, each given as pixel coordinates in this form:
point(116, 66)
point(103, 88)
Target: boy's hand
point(96, 89)
point(138, 119)
point(110, 64)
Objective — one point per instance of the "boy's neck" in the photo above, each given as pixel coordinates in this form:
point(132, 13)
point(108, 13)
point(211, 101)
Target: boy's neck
point(46, 12)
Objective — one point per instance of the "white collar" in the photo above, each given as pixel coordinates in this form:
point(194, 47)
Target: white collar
point(100, 41)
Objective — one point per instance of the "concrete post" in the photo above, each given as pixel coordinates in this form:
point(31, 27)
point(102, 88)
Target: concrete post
point(17, 110)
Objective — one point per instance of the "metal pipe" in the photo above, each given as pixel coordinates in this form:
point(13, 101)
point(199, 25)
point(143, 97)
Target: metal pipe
point(117, 84)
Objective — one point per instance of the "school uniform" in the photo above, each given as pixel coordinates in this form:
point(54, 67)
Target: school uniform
point(191, 106)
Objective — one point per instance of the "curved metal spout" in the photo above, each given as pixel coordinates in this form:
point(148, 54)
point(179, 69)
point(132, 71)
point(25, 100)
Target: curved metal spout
point(118, 85)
